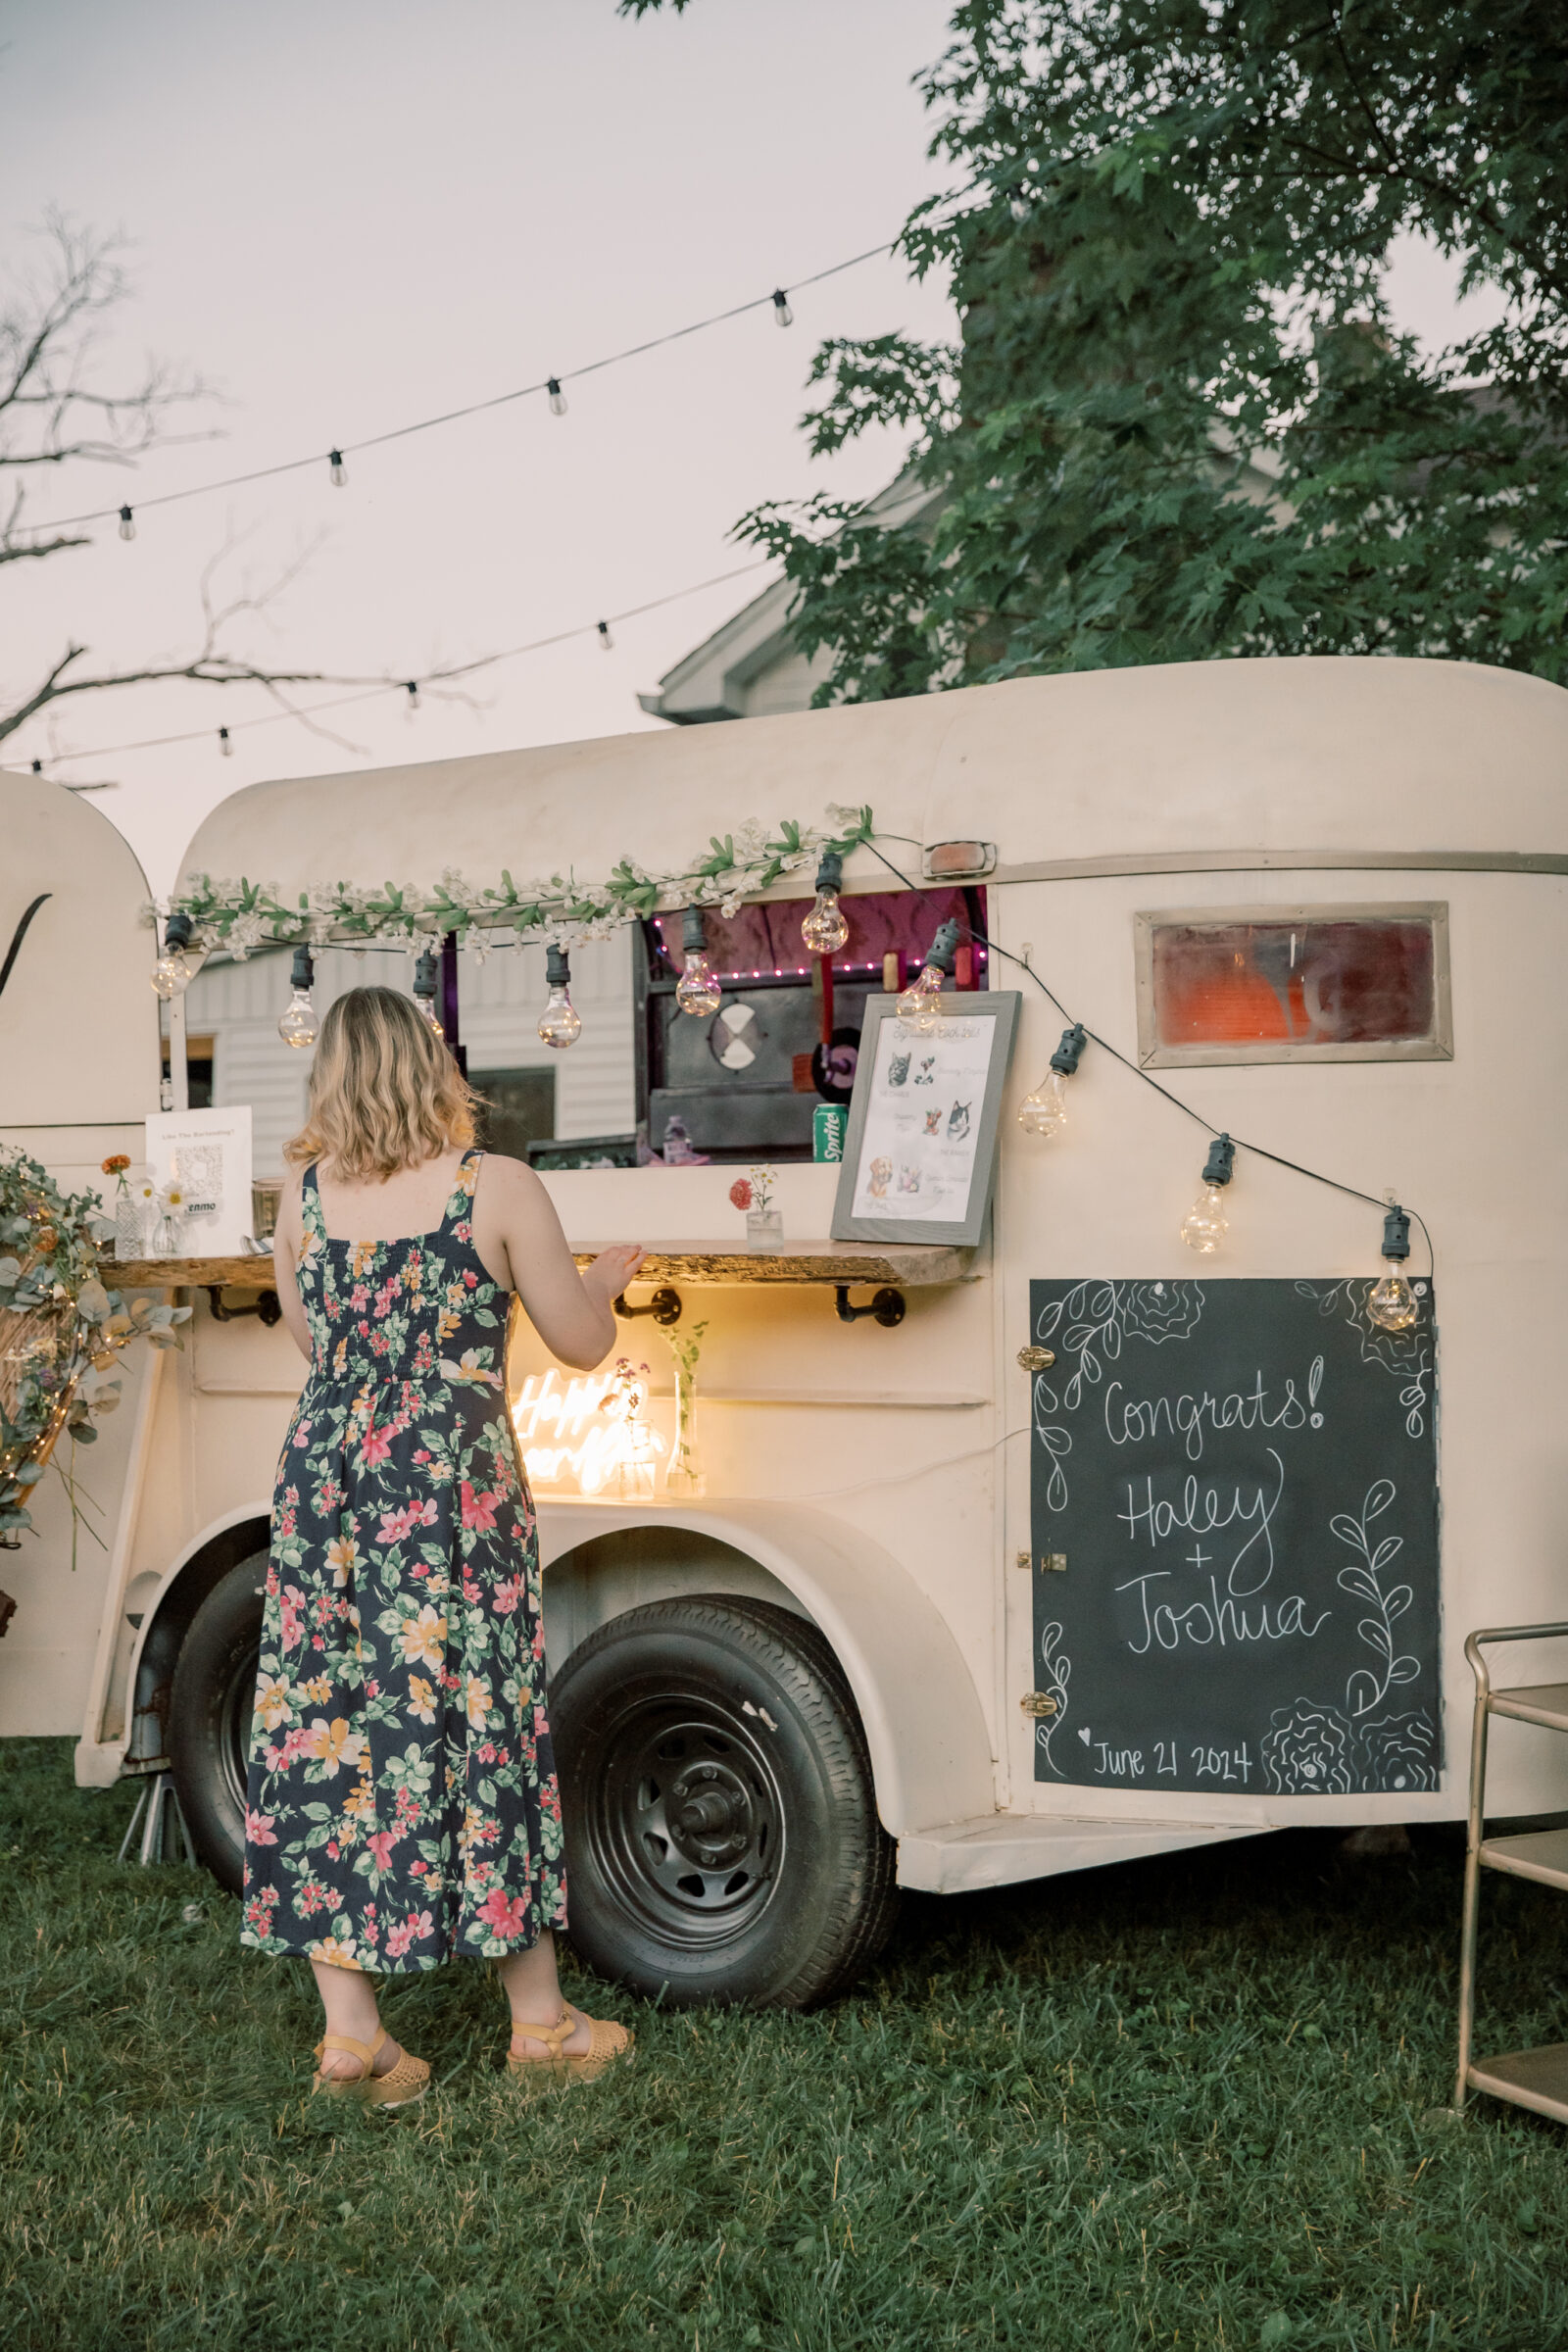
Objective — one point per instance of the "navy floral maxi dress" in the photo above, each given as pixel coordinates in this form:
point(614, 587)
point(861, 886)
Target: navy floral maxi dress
point(402, 1804)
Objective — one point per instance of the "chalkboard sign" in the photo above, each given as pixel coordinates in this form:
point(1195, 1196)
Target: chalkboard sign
point(1234, 1509)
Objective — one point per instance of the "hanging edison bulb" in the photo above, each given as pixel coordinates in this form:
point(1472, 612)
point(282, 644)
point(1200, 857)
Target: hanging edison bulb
point(297, 1026)
point(783, 316)
point(920, 1006)
point(1205, 1223)
point(1046, 1110)
point(825, 928)
point(557, 398)
point(337, 473)
point(410, 696)
point(127, 523)
point(697, 990)
point(560, 1023)
point(1391, 1302)
point(172, 974)
point(425, 993)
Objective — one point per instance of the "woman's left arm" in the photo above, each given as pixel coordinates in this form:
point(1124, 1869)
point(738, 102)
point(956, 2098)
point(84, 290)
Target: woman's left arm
point(287, 1237)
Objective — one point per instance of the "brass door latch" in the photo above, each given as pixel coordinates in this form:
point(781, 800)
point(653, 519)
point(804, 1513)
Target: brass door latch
point(1035, 1359)
point(1054, 1562)
point(1038, 1702)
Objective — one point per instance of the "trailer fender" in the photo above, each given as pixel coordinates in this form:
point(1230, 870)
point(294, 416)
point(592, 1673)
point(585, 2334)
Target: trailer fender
point(931, 1755)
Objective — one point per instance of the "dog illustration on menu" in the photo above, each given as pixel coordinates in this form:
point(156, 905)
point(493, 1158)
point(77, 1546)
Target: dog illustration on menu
point(898, 1069)
point(877, 1185)
point(958, 1122)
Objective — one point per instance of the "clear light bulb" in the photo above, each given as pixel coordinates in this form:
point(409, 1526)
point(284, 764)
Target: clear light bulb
point(920, 1006)
point(297, 1024)
point(127, 523)
point(1205, 1223)
point(171, 974)
point(557, 398)
point(411, 698)
point(224, 745)
point(1046, 1110)
point(337, 472)
point(783, 316)
point(607, 643)
point(825, 929)
point(1390, 1303)
point(698, 991)
point(560, 1023)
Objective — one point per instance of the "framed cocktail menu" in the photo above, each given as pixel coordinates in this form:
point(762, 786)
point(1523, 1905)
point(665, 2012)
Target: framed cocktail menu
point(921, 1155)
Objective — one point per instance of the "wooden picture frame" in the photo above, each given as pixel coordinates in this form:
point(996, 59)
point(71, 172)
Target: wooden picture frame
point(925, 1119)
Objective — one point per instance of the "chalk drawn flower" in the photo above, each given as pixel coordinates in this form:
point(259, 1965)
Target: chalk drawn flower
point(1158, 1310)
point(1398, 1751)
point(1308, 1751)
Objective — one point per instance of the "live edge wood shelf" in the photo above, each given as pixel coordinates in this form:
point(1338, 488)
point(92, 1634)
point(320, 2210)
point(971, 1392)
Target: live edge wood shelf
point(693, 1265)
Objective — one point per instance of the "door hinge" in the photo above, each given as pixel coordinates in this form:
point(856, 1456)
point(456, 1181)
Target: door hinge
point(1038, 1702)
point(1055, 1562)
point(1035, 1359)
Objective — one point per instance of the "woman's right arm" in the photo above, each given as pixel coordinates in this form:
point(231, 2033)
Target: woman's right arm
point(572, 1313)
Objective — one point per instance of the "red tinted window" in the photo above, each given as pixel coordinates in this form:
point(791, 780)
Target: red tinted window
point(1320, 981)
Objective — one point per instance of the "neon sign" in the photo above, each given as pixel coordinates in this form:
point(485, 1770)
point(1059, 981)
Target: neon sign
point(587, 1436)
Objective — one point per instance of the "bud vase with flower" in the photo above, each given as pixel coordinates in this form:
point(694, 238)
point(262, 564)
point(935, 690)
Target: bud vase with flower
point(685, 1475)
point(127, 1215)
point(764, 1226)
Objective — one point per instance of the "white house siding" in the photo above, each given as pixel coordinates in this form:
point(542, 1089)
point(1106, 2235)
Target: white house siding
point(237, 1005)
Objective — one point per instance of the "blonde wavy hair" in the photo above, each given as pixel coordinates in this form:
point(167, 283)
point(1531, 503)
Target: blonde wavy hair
point(385, 1092)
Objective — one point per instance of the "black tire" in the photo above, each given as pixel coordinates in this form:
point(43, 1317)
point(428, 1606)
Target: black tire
point(774, 1882)
point(210, 1717)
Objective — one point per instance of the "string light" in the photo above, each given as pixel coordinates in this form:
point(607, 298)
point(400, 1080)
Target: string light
point(477, 408)
point(225, 746)
point(1391, 1302)
point(410, 695)
point(337, 472)
point(172, 974)
point(425, 993)
point(783, 316)
point(825, 928)
point(607, 643)
point(127, 523)
point(1205, 1223)
point(560, 1023)
point(1046, 1110)
point(298, 1025)
point(919, 1007)
point(697, 990)
point(557, 398)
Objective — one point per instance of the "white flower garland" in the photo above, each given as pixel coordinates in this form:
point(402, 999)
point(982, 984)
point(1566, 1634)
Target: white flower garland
point(242, 915)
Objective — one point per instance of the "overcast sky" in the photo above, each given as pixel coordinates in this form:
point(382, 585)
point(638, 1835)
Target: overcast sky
point(348, 218)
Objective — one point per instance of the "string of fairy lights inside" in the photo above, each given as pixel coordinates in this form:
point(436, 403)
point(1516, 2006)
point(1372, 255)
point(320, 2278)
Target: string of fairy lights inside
point(1391, 1303)
point(335, 460)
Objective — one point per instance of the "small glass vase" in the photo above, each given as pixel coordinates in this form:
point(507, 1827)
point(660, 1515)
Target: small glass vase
point(685, 1473)
point(765, 1229)
point(128, 1225)
point(166, 1240)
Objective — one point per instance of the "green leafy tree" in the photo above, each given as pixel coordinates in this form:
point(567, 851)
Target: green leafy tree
point(1178, 423)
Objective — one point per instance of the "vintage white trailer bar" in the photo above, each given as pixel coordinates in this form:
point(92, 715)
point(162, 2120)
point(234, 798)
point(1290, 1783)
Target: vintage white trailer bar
point(874, 1484)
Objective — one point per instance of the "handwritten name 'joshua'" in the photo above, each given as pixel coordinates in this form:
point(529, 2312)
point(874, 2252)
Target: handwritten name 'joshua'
point(1137, 1420)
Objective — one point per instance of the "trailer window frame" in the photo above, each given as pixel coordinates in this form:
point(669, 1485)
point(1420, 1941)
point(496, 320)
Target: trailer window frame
point(1155, 1054)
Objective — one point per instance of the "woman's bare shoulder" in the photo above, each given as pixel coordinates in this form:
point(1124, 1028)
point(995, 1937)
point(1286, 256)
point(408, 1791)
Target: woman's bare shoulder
point(510, 1182)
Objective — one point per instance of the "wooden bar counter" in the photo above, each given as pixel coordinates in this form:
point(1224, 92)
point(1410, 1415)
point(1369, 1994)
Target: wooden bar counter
point(692, 1264)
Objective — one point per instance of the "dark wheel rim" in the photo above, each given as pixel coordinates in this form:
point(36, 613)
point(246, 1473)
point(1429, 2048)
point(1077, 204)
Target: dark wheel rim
point(685, 1818)
point(236, 1708)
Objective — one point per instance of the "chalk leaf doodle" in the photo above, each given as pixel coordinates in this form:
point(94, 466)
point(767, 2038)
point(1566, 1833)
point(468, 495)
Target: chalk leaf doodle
point(1367, 1688)
point(1406, 1355)
point(1088, 1326)
point(1055, 1671)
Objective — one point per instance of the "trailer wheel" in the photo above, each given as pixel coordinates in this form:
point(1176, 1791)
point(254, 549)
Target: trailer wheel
point(210, 1717)
point(723, 1842)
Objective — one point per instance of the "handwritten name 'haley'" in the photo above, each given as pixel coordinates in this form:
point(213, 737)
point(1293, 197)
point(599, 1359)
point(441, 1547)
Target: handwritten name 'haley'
point(1137, 1420)
point(1223, 1618)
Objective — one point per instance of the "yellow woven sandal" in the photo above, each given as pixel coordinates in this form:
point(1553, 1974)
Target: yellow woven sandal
point(398, 2086)
point(607, 2043)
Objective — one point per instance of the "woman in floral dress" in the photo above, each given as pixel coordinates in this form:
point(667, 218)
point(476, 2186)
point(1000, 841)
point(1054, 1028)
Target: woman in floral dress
point(402, 1806)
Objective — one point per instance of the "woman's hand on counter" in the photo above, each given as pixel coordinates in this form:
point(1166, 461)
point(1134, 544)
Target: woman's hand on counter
point(613, 1268)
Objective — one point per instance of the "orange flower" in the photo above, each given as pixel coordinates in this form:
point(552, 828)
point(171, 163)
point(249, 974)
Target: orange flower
point(117, 1163)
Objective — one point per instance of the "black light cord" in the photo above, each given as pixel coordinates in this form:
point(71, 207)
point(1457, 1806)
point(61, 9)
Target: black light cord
point(992, 948)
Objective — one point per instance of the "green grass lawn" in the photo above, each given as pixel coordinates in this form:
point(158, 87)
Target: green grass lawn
point(1186, 2103)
